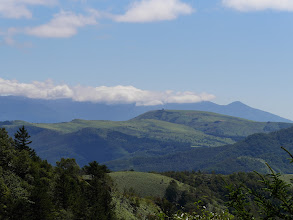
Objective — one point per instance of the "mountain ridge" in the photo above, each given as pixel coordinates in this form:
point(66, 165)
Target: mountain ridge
point(60, 110)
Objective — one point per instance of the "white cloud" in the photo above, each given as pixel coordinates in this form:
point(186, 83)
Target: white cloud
point(102, 94)
point(42, 90)
point(19, 8)
point(154, 10)
point(258, 5)
point(63, 25)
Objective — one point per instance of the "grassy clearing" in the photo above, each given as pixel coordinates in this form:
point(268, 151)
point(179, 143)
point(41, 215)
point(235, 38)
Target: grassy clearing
point(143, 184)
point(78, 124)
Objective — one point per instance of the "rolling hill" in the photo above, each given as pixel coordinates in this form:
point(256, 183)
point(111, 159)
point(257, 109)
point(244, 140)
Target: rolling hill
point(144, 184)
point(250, 154)
point(154, 134)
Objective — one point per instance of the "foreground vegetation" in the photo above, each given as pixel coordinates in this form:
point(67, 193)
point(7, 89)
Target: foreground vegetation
point(31, 188)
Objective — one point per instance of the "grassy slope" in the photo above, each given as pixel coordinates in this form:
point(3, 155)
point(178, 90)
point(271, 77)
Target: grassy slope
point(157, 129)
point(143, 184)
point(214, 124)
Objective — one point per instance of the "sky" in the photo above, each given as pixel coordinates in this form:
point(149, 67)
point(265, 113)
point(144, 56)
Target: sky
point(149, 52)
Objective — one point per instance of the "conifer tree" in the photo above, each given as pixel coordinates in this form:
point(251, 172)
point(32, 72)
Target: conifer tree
point(273, 201)
point(22, 141)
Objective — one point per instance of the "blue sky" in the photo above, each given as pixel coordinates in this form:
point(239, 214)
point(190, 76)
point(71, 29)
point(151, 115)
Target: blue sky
point(149, 51)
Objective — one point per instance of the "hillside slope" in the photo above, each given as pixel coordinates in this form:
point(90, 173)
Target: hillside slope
point(153, 134)
point(248, 155)
point(213, 124)
point(144, 184)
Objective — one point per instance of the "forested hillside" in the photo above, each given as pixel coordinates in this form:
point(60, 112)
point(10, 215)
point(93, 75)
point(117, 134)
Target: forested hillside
point(156, 133)
point(250, 154)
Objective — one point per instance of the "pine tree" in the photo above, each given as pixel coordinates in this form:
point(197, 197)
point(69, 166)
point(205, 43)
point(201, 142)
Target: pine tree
point(273, 201)
point(22, 141)
point(99, 192)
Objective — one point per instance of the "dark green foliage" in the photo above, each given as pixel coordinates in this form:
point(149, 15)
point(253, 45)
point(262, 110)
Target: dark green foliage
point(172, 192)
point(96, 170)
point(274, 200)
point(244, 156)
point(32, 189)
point(7, 151)
point(22, 141)
point(208, 189)
point(238, 200)
point(67, 188)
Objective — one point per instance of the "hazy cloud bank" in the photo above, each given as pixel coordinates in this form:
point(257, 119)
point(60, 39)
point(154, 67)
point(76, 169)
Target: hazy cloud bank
point(259, 5)
point(102, 94)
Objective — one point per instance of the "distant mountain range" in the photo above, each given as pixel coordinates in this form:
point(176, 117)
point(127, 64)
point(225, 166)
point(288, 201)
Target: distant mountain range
point(62, 110)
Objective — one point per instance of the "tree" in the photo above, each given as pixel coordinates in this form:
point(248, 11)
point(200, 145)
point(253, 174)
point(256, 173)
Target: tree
point(273, 201)
point(7, 152)
point(99, 192)
point(172, 192)
point(22, 141)
point(96, 170)
point(67, 188)
point(4, 197)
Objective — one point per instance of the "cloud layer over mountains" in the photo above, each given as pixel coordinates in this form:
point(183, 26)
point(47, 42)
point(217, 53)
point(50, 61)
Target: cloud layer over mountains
point(102, 94)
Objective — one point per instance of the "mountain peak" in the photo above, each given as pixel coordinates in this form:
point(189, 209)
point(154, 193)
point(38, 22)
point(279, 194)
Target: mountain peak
point(237, 103)
point(42, 111)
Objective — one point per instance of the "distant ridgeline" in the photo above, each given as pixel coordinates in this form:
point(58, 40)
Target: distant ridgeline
point(52, 111)
point(164, 140)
